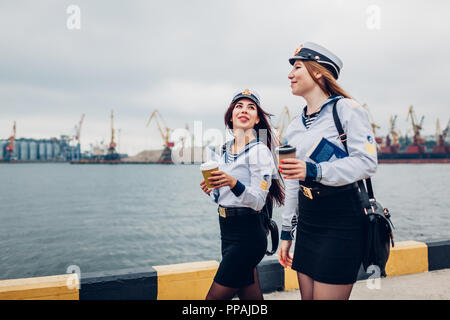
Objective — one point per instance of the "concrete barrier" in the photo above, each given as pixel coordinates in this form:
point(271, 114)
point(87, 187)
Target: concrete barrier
point(407, 257)
point(125, 284)
point(438, 254)
point(185, 281)
point(270, 275)
point(290, 279)
point(60, 287)
point(191, 281)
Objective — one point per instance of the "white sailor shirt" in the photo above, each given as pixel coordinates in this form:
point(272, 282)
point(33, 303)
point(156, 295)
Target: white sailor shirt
point(253, 168)
point(361, 162)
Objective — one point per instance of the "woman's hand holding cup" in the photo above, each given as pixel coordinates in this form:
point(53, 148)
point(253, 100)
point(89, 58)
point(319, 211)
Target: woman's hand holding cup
point(289, 166)
point(221, 179)
point(213, 178)
point(207, 168)
point(292, 168)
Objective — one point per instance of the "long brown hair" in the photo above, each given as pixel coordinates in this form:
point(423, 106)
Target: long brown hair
point(327, 82)
point(276, 191)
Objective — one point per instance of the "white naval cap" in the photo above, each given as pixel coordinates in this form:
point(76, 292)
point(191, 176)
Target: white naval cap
point(249, 94)
point(315, 52)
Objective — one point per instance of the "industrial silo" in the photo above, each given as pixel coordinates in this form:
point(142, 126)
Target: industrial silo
point(42, 152)
point(24, 151)
point(49, 150)
point(16, 152)
point(56, 150)
point(77, 152)
point(2, 149)
point(33, 150)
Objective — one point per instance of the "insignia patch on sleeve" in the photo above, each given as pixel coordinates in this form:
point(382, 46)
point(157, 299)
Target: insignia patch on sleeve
point(265, 182)
point(370, 145)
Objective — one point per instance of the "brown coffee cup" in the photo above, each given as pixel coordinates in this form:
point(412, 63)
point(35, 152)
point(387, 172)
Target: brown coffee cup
point(206, 169)
point(284, 152)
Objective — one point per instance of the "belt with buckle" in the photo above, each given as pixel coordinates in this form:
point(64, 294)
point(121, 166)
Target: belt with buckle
point(322, 191)
point(230, 212)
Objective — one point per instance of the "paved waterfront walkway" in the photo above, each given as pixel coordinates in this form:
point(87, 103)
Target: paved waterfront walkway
point(433, 285)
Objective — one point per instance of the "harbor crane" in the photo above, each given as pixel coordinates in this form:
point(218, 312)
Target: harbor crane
point(73, 141)
point(441, 135)
point(284, 120)
point(392, 132)
point(445, 132)
point(78, 129)
point(440, 138)
point(444, 136)
point(166, 156)
point(11, 145)
point(112, 153)
point(416, 127)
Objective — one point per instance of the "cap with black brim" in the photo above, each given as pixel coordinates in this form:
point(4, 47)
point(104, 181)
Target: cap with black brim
point(314, 52)
point(247, 94)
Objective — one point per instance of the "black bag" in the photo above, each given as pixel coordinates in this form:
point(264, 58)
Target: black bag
point(269, 224)
point(379, 234)
point(379, 226)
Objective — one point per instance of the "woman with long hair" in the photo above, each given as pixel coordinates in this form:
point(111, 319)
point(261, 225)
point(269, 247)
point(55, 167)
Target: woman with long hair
point(322, 201)
point(245, 182)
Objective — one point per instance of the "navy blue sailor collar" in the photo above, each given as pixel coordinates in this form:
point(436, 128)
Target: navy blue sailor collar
point(324, 104)
point(235, 156)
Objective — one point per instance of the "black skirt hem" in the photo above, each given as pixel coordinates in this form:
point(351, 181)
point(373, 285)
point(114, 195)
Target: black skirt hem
point(323, 279)
point(234, 285)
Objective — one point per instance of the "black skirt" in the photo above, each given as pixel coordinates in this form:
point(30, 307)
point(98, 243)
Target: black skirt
point(330, 238)
point(244, 244)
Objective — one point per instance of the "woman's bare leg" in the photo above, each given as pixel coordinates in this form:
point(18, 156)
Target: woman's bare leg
point(306, 285)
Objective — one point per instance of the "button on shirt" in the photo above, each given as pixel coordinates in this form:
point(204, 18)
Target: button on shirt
point(361, 162)
point(254, 168)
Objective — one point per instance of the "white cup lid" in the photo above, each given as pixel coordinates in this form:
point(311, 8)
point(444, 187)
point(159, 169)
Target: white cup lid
point(209, 165)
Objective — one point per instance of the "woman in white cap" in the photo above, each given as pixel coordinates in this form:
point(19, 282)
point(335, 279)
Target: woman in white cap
point(242, 187)
point(322, 201)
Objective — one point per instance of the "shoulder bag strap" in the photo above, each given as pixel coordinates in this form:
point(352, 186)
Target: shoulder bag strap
point(343, 138)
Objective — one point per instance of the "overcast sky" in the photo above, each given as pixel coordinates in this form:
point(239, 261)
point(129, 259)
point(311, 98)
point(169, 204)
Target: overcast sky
point(187, 58)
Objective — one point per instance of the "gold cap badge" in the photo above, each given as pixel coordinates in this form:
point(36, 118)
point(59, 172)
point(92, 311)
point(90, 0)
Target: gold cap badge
point(298, 49)
point(247, 92)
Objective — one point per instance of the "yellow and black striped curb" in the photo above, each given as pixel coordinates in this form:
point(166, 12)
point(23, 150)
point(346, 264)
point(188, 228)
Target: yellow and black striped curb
point(191, 281)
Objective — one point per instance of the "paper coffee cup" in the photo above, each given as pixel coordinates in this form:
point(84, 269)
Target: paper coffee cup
point(206, 169)
point(284, 152)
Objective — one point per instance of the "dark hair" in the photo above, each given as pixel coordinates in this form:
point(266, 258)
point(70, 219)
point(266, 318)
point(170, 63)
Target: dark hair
point(276, 190)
